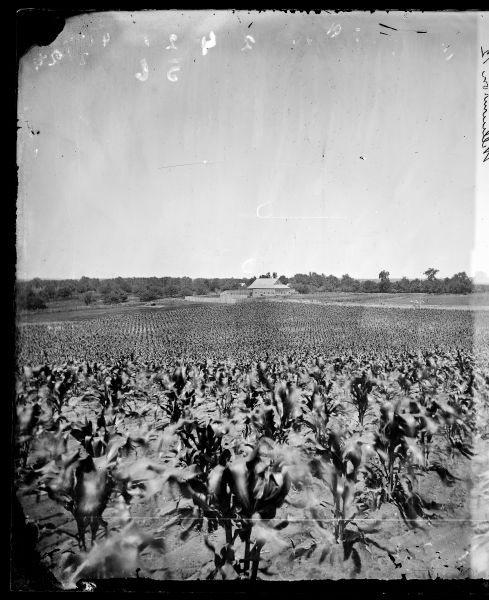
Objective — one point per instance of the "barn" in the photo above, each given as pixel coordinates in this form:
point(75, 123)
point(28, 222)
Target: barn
point(263, 287)
point(240, 292)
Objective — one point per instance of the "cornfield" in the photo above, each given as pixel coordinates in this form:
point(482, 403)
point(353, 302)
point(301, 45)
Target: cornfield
point(253, 440)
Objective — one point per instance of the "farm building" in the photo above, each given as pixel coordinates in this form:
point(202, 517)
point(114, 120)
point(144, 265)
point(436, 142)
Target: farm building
point(262, 287)
point(242, 291)
point(268, 286)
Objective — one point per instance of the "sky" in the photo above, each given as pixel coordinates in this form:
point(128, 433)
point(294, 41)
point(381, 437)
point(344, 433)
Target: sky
point(228, 144)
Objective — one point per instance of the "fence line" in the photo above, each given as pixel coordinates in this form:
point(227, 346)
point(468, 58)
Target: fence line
point(217, 299)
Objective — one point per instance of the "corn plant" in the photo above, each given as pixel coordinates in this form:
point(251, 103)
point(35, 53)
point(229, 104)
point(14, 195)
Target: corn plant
point(278, 415)
point(59, 389)
point(457, 423)
point(225, 404)
point(346, 461)
point(83, 481)
point(111, 386)
point(119, 555)
point(395, 436)
point(360, 389)
point(202, 444)
point(400, 458)
point(179, 395)
point(27, 423)
point(229, 497)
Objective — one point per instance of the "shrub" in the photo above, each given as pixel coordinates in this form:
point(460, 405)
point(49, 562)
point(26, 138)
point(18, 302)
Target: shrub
point(88, 298)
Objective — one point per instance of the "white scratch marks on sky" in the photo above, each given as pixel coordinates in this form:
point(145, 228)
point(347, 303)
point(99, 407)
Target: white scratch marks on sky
point(334, 30)
point(206, 44)
point(260, 206)
point(249, 39)
point(247, 266)
point(172, 74)
point(202, 162)
point(39, 60)
point(173, 38)
point(445, 50)
point(145, 74)
point(56, 56)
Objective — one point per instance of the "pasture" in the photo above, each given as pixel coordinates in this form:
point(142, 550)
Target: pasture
point(474, 301)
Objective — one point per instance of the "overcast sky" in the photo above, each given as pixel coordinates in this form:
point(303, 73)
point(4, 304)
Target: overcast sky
point(325, 143)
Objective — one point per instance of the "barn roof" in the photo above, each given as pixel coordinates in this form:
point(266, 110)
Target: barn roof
point(267, 283)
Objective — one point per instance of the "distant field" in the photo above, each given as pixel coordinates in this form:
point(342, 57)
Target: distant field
point(480, 299)
point(73, 310)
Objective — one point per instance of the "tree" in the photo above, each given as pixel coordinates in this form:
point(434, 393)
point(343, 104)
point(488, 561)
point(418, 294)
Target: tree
point(302, 288)
point(431, 285)
point(114, 296)
point(415, 286)
point(186, 291)
point(385, 283)
point(88, 298)
point(431, 273)
point(123, 284)
point(274, 275)
point(348, 284)
point(317, 281)
point(83, 285)
point(200, 287)
point(172, 290)
point(460, 283)
point(213, 284)
point(331, 283)
point(66, 290)
point(370, 286)
point(404, 285)
point(186, 283)
point(32, 300)
point(148, 294)
point(50, 290)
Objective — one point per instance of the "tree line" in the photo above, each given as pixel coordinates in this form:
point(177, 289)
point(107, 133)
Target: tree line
point(460, 283)
point(37, 293)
